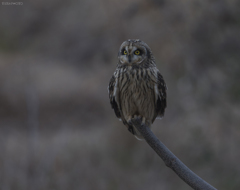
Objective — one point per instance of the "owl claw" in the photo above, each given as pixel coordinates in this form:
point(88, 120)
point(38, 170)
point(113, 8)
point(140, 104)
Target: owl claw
point(143, 119)
point(133, 117)
point(131, 130)
point(129, 120)
point(137, 116)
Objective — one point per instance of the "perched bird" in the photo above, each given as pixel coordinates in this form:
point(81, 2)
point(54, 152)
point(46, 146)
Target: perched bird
point(137, 88)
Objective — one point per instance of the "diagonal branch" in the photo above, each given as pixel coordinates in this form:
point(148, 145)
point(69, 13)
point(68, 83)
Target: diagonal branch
point(170, 159)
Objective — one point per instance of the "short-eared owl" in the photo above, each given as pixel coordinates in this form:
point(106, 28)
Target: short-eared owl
point(137, 87)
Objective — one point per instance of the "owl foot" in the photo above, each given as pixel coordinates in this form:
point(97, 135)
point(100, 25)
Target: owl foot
point(143, 119)
point(131, 127)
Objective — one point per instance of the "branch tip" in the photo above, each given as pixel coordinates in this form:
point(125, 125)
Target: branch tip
point(169, 158)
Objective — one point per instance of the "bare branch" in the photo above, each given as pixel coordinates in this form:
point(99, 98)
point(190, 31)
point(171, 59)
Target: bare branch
point(170, 159)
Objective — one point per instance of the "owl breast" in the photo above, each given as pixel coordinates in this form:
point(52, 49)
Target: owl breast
point(136, 94)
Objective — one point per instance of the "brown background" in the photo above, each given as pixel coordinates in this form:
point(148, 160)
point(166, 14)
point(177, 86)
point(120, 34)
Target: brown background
point(57, 128)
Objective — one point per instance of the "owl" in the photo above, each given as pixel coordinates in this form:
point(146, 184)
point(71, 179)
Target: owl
point(137, 88)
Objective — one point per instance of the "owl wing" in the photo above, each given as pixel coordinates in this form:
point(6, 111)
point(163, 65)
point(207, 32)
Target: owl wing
point(161, 96)
point(113, 95)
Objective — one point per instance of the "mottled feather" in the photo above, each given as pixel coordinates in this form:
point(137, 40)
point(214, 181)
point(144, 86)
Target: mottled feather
point(137, 87)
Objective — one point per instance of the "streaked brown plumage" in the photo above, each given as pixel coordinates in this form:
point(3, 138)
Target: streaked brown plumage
point(137, 87)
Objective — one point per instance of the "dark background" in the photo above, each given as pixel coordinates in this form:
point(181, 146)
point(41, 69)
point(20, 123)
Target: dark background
point(57, 128)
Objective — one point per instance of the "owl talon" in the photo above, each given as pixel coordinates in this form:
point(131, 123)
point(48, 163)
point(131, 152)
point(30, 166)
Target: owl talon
point(137, 117)
point(129, 120)
point(131, 130)
point(143, 121)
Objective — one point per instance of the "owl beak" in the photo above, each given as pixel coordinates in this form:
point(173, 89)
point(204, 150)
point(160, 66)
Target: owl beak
point(129, 58)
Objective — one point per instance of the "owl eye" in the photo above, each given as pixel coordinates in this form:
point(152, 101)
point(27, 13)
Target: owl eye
point(137, 52)
point(125, 52)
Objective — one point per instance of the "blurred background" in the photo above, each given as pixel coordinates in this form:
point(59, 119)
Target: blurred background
point(57, 128)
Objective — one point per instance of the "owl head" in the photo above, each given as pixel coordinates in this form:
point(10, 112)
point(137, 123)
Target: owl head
point(134, 52)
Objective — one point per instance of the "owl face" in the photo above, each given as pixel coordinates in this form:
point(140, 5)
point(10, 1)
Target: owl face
point(133, 52)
